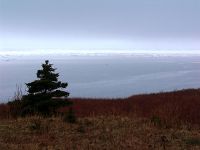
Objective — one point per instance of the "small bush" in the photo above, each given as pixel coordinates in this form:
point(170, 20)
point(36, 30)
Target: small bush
point(81, 128)
point(70, 116)
point(35, 125)
point(4, 111)
point(15, 108)
point(193, 141)
point(156, 121)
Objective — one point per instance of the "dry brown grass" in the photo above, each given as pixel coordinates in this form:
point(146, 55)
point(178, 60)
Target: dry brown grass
point(111, 132)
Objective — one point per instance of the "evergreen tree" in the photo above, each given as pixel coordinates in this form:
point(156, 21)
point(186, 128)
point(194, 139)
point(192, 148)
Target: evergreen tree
point(44, 95)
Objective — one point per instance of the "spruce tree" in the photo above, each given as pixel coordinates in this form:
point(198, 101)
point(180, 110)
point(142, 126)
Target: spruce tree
point(44, 94)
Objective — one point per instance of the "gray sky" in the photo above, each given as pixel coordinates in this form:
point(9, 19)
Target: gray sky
point(100, 24)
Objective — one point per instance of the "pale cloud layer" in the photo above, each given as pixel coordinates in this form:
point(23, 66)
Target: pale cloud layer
point(102, 24)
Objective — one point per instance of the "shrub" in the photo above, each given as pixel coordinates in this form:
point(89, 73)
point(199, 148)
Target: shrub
point(193, 141)
point(70, 116)
point(156, 120)
point(4, 111)
point(15, 108)
point(35, 124)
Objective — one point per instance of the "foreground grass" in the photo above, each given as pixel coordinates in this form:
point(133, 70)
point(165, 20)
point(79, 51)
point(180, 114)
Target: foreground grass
point(170, 120)
point(100, 132)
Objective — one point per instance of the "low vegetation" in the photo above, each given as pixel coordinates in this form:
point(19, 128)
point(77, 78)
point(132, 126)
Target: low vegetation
point(170, 108)
point(154, 121)
point(111, 132)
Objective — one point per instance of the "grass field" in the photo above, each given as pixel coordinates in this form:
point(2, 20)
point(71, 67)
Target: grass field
point(110, 132)
point(153, 121)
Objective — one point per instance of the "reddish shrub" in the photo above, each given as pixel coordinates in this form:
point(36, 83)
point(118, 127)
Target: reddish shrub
point(4, 111)
point(178, 106)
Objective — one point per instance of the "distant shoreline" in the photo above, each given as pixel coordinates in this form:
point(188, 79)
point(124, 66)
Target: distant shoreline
point(60, 52)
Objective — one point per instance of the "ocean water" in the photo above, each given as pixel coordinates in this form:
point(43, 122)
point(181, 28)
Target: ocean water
point(108, 75)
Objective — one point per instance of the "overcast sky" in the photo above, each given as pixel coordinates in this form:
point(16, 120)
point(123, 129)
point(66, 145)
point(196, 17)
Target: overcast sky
point(100, 24)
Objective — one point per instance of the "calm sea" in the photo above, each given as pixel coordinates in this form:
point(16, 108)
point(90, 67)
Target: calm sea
point(104, 75)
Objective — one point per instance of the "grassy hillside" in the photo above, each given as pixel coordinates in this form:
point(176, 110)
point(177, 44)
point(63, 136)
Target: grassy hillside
point(109, 132)
point(172, 107)
point(152, 121)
